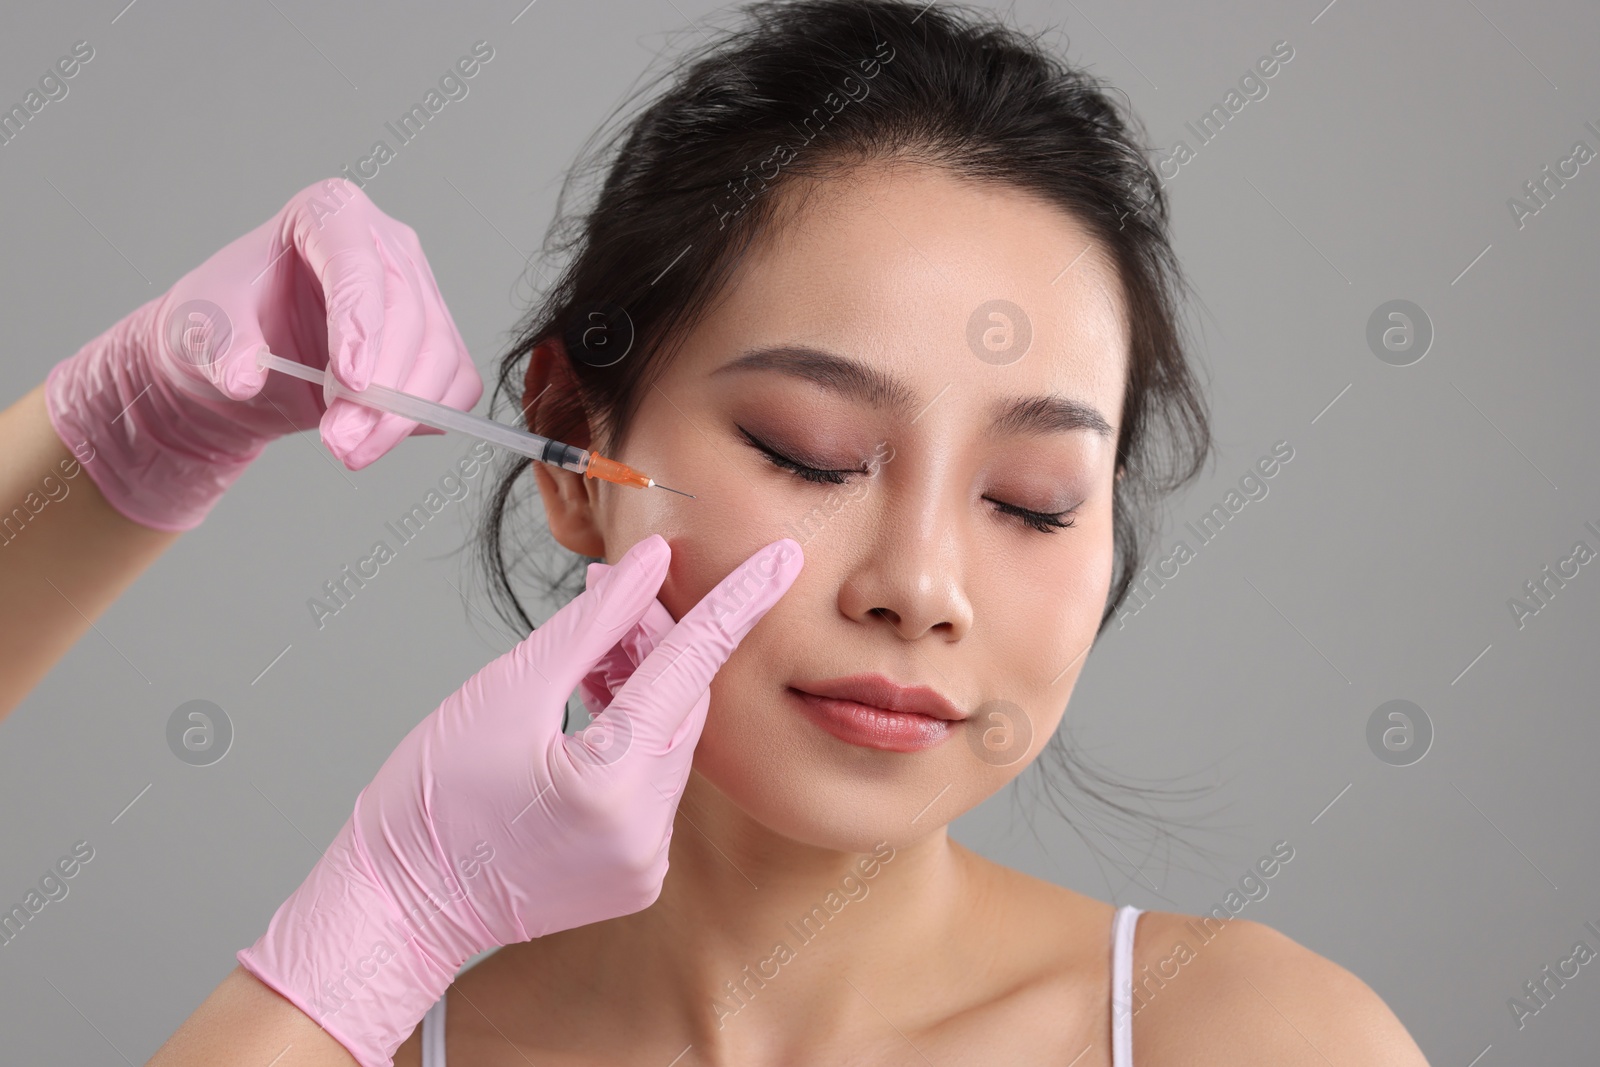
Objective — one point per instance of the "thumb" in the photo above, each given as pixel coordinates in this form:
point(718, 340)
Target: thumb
point(234, 370)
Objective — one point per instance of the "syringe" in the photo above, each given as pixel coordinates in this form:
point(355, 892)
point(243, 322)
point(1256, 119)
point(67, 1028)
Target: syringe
point(442, 417)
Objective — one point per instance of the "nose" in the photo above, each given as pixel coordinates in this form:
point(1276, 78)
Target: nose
point(913, 577)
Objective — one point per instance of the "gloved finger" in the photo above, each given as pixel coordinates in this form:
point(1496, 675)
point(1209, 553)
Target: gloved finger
point(364, 297)
point(342, 250)
point(593, 690)
point(463, 393)
point(663, 692)
point(505, 721)
point(600, 685)
point(628, 653)
point(389, 429)
point(233, 372)
point(354, 291)
point(355, 437)
point(413, 246)
point(449, 338)
point(438, 359)
point(466, 387)
point(565, 648)
point(358, 292)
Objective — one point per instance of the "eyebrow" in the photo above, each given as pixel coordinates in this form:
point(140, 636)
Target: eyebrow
point(854, 380)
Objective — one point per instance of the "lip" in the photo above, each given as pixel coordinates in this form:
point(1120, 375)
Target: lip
point(876, 691)
point(876, 712)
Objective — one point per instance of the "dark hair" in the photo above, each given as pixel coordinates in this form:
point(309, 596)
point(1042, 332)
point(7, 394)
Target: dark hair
point(685, 192)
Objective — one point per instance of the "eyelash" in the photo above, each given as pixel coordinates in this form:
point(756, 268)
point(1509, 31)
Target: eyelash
point(1043, 521)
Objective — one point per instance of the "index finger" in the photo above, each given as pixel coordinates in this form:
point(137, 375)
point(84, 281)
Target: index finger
point(332, 224)
point(663, 690)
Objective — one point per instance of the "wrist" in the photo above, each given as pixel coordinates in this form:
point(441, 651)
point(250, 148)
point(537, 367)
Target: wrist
point(360, 963)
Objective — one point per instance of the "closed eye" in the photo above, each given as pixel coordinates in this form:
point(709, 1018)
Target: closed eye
point(811, 474)
point(1043, 521)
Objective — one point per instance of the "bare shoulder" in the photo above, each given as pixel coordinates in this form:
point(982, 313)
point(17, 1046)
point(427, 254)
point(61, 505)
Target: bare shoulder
point(1238, 993)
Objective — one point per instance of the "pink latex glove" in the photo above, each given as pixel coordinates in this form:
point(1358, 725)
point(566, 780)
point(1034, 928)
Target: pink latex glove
point(487, 826)
point(172, 402)
point(613, 670)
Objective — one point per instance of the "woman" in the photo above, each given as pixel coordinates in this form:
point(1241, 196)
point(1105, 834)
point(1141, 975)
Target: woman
point(888, 287)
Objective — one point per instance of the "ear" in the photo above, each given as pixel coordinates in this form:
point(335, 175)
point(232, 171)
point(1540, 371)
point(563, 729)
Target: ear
point(553, 407)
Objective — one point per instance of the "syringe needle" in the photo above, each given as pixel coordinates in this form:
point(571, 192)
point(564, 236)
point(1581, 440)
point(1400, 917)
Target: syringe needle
point(657, 485)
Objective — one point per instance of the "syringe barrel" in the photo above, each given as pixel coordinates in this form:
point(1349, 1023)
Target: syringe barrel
point(439, 416)
point(566, 456)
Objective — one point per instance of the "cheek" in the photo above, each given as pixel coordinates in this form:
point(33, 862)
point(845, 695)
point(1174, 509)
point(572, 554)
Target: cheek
point(709, 536)
point(706, 552)
point(1080, 586)
point(1056, 589)
point(1043, 615)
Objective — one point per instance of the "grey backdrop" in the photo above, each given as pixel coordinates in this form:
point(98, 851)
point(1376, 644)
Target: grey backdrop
point(1420, 498)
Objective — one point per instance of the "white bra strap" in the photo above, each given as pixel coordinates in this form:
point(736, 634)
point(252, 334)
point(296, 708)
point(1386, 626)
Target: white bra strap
point(1122, 928)
point(433, 1035)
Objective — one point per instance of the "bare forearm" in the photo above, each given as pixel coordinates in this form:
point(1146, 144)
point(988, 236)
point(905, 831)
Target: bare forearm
point(65, 553)
point(244, 1023)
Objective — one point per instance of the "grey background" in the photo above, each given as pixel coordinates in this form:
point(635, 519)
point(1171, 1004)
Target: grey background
point(1379, 566)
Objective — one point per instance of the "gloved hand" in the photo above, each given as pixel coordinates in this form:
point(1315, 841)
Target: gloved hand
point(172, 402)
point(612, 670)
point(487, 826)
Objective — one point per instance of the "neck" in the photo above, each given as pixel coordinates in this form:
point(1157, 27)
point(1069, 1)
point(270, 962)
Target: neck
point(759, 941)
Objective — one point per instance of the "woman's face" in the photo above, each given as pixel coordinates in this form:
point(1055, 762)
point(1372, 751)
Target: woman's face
point(853, 342)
